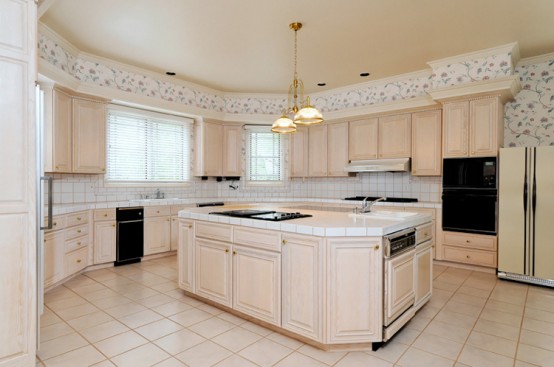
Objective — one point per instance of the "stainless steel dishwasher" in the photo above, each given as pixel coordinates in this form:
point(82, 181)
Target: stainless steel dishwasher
point(130, 235)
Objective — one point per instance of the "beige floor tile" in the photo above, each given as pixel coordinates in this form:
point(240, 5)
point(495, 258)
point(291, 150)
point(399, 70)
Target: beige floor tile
point(89, 288)
point(495, 305)
point(419, 322)
point(428, 311)
point(236, 361)
point(79, 281)
point(49, 318)
point(203, 355)
point(256, 328)
point(450, 278)
point(171, 308)
point(474, 292)
point(418, 358)
point(140, 318)
point(120, 343)
point(61, 345)
point(54, 331)
point(236, 339)
point(516, 297)
point(524, 364)
point(449, 331)
point(165, 287)
point(536, 314)
point(141, 294)
point(157, 300)
point(99, 294)
point(446, 286)
point(439, 298)
point(538, 340)
point(180, 341)
point(265, 352)
point(360, 359)
point(469, 299)
point(105, 363)
point(101, 274)
point(158, 329)
point(186, 299)
point(438, 345)
point(538, 326)
point(391, 351)
point(211, 327)
point(118, 283)
point(297, 359)
point(104, 331)
point(90, 320)
point(285, 340)
point(65, 303)
point(407, 336)
point(210, 309)
point(77, 311)
point(58, 293)
point(111, 301)
point(497, 329)
point(329, 358)
point(231, 318)
point(455, 318)
point(190, 317)
point(463, 308)
point(481, 283)
point(85, 356)
point(501, 317)
point(476, 357)
point(143, 356)
point(493, 344)
point(170, 362)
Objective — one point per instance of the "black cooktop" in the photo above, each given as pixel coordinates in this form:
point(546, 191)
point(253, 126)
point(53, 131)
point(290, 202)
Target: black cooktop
point(387, 200)
point(270, 215)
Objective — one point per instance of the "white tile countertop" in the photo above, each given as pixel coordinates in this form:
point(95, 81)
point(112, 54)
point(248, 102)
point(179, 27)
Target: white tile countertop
point(323, 222)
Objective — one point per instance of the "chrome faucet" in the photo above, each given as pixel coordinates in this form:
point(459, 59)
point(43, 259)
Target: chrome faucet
point(159, 194)
point(366, 206)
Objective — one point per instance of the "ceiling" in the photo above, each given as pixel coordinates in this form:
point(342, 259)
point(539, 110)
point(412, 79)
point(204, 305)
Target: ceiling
point(247, 46)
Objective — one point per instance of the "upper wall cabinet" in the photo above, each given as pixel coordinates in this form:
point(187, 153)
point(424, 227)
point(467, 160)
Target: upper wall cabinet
point(299, 152)
point(218, 149)
point(472, 128)
point(328, 150)
point(426, 143)
point(74, 133)
point(362, 139)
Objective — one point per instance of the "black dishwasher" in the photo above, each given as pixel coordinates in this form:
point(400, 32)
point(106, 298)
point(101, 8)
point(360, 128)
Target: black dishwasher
point(130, 235)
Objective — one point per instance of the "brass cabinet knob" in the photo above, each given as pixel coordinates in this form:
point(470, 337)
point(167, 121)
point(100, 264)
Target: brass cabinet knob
point(78, 218)
point(79, 243)
point(284, 242)
point(467, 256)
point(234, 252)
point(78, 260)
point(106, 214)
point(54, 224)
point(376, 247)
point(190, 225)
point(113, 225)
point(468, 241)
point(226, 250)
point(78, 231)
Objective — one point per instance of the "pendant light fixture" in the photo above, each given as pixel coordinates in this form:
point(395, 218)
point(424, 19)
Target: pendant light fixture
point(306, 114)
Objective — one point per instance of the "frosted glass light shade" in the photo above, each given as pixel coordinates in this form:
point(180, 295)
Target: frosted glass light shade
point(308, 116)
point(283, 125)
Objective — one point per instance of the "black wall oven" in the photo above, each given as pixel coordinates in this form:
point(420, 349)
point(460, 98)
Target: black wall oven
point(470, 195)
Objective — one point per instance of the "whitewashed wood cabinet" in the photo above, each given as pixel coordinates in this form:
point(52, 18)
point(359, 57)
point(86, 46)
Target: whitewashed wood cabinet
point(89, 136)
point(104, 242)
point(362, 139)
point(54, 256)
point(218, 150)
point(232, 151)
point(317, 151)
point(185, 254)
point(58, 130)
point(426, 143)
point(157, 229)
point(395, 139)
point(423, 276)
point(337, 151)
point(299, 152)
point(213, 270)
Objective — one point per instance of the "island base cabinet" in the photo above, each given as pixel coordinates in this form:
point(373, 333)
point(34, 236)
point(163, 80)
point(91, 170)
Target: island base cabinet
point(302, 266)
point(257, 283)
point(213, 270)
point(423, 275)
point(185, 255)
point(354, 288)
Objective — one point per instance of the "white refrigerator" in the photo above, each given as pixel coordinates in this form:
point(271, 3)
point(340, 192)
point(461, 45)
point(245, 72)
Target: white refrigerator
point(526, 215)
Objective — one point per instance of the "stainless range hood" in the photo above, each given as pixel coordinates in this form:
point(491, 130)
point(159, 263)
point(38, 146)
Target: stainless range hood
point(379, 165)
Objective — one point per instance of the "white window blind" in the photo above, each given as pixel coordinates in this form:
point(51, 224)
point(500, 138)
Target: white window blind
point(147, 147)
point(264, 156)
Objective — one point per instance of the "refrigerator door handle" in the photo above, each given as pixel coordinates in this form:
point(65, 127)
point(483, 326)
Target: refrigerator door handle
point(50, 195)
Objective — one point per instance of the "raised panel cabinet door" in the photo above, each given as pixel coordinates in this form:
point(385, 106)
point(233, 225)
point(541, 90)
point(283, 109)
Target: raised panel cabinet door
point(104, 250)
point(484, 119)
point(299, 152)
point(61, 148)
point(423, 273)
point(317, 151)
point(362, 139)
point(89, 136)
point(174, 235)
point(302, 267)
point(257, 283)
point(232, 150)
point(354, 286)
point(54, 253)
point(426, 143)
point(337, 153)
point(455, 127)
point(157, 235)
point(185, 255)
point(213, 270)
point(400, 288)
point(212, 149)
point(395, 136)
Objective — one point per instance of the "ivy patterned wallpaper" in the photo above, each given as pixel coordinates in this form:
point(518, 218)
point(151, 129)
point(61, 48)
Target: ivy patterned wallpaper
point(529, 119)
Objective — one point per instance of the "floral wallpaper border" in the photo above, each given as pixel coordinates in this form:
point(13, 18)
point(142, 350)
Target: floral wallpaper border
point(98, 74)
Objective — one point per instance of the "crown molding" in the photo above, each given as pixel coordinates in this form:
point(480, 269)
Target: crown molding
point(536, 59)
point(56, 75)
point(506, 88)
point(512, 48)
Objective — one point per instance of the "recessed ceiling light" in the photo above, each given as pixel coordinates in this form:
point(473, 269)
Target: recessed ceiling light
point(321, 84)
point(170, 73)
point(364, 74)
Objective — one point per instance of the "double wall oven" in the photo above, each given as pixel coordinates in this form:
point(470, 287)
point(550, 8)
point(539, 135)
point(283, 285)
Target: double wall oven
point(470, 195)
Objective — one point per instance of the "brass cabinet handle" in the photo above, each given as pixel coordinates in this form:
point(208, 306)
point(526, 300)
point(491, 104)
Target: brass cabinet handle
point(467, 256)
point(158, 211)
point(113, 225)
point(426, 234)
point(78, 218)
point(79, 243)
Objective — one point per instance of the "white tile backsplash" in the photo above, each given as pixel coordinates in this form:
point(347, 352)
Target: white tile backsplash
point(74, 188)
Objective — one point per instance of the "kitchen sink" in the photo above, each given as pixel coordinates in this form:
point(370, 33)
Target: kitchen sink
point(382, 214)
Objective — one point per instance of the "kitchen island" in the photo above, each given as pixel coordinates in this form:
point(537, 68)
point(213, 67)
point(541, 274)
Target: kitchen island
point(323, 279)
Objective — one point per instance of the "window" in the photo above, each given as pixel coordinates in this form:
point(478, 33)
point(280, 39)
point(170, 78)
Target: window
point(264, 156)
point(147, 147)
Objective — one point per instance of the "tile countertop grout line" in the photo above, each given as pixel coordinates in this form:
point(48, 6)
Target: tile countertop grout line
point(60, 209)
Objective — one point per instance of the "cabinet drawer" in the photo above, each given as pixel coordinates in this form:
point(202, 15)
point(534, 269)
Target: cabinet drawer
point(175, 209)
point(157, 211)
point(75, 261)
point(260, 238)
point(74, 232)
point(468, 256)
point(221, 232)
point(76, 243)
point(473, 241)
point(58, 222)
point(77, 218)
point(104, 214)
point(424, 232)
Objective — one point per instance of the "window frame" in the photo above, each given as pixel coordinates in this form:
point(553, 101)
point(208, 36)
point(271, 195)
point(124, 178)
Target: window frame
point(283, 182)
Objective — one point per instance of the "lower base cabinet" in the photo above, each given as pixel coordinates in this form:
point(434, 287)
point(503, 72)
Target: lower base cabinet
point(257, 283)
point(423, 276)
point(185, 255)
point(213, 270)
point(104, 242)
point(157, 235)
point(54, 254)
point(302, 259)
point(469, 248)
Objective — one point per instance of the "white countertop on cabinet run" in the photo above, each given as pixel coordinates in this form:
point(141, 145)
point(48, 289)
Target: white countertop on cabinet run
point(323, 223)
